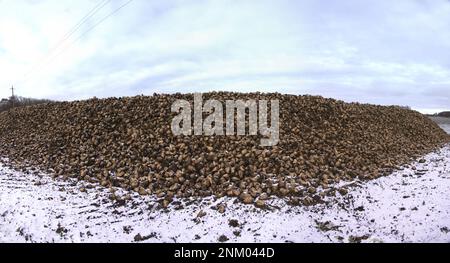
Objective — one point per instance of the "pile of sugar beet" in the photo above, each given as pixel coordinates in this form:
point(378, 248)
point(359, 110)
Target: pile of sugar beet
point(128, 143)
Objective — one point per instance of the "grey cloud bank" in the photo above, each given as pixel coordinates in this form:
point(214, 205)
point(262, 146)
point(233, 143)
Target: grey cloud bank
point(384, 52)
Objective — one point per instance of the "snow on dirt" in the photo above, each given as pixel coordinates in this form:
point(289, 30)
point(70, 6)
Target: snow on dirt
point(443, 122)
point(410, 205)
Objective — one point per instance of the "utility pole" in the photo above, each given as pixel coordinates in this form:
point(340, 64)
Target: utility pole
point(12, 96)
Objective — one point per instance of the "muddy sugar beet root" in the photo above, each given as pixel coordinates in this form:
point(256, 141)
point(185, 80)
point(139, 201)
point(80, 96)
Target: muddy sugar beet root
point(129, 143)
point(214, 123)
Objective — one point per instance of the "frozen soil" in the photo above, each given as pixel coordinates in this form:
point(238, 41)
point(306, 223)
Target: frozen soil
point(410, 205)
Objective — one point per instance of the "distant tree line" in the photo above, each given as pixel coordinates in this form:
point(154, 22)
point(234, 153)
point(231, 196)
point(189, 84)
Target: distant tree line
point(440, 114)
point(444, 114)
point(17, 101)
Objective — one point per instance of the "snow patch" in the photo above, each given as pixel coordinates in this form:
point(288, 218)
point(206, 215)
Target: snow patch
point(410, 205)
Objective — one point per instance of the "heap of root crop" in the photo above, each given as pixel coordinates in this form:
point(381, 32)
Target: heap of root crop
point(128, 143)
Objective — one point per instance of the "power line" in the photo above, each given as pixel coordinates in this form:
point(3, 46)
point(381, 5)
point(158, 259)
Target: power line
point(90, 14)
point(85, 32)
point(68, 34)
point(97, 8)
point(101, 21)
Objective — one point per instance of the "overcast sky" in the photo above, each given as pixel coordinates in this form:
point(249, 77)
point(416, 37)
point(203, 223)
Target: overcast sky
point(383, 52)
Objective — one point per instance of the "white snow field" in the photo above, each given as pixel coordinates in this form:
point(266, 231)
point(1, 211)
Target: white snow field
point(410, 205)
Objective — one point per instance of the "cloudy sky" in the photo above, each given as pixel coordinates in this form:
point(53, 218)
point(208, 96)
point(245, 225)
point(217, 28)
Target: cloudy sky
point(383, 52)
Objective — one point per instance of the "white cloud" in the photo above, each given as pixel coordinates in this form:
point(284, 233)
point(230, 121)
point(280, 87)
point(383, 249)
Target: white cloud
point(377, 51)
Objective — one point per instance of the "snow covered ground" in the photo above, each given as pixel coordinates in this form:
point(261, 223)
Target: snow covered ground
point(410, 205)
point(443, 122)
